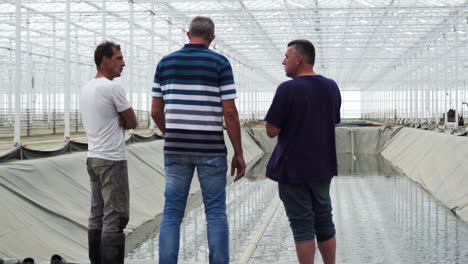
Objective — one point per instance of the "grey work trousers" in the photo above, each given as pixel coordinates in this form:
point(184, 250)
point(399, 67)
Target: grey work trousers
point(109, 194)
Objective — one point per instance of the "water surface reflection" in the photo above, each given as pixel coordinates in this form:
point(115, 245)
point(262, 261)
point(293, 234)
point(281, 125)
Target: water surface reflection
point(381, 217)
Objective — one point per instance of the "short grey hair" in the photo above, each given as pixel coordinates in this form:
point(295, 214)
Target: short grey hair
point(202, 27)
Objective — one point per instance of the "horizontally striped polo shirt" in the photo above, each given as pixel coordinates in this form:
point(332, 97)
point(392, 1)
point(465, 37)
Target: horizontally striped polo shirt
point(192, 82)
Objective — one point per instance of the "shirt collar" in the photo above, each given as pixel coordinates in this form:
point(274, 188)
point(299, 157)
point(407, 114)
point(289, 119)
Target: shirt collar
point(197, 46)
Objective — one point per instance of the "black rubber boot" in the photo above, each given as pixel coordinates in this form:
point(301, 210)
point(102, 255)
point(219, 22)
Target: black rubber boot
point(112, 248)
point(94, 246)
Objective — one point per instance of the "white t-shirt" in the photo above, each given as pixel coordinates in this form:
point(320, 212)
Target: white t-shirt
point(101, 100)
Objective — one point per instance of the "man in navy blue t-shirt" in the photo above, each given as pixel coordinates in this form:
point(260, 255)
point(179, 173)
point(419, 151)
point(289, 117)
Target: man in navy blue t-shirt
point(303, 115)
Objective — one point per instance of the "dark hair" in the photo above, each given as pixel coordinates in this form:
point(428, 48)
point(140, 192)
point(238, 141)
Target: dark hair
point(304, 48)
point(202, 27)
point(56, 259)
point(28, 261)
point(104, 49)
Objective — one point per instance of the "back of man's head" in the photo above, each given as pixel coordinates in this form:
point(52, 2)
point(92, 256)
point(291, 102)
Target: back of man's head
point(28, 261)
point(105, 49)
point(56, 259)
point(202, 27)
point(305, 49)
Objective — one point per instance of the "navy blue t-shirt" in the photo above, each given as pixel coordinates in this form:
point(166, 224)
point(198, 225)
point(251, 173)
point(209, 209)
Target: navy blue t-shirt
point(306, 110)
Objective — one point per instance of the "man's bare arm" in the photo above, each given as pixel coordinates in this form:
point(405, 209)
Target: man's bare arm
point(231, 117)
point(157, 113)
point(128, 119)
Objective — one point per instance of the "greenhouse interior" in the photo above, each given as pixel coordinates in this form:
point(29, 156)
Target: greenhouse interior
point(402, 70)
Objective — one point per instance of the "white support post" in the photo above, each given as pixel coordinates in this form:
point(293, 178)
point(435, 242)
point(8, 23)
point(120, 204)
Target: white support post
point(131, 47)
point(169, 36)
point(46, 89)
point(433, 87)
point(54, 66)
point(465, 74)
point(29, 84)
point(382, 103)
point(436, 92)
point(240, 90)
point(394, 103)
point(17, 137)
point(66, 97)
point(77, 75)
point(458, 105)
point(427, 95)
point(445, 82)
point(153, 61)
point(412, 70)
point(255, 98)
point(11, 79)
point(408, 96)
point(104, 21)
point(138, 87)
point(251, 94)
point(416, 90)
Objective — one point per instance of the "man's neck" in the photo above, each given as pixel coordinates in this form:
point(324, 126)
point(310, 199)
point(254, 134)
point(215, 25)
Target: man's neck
point(306, 72)
point(195, 40)
point(100, 74)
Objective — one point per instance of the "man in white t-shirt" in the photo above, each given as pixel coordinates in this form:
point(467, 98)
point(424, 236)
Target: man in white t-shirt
point(106, 114)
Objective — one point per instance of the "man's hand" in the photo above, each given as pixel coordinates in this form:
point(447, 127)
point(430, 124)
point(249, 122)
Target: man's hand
point(238, 164)
point(272, 131)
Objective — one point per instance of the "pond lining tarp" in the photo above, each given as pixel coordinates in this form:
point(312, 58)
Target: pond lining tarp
point(349, 140)
point(363, 140)
point(26, 153)
point(45, 202)
point(259, 135)
point(438, 162)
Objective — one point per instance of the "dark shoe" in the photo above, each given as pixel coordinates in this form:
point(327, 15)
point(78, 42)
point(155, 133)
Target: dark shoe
point(112, 248)
point(94, 246)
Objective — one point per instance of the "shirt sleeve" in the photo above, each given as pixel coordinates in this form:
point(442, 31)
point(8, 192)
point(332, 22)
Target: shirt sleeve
point(226, 82)
point(120, 99)
point(278, 112)
point(156, 89)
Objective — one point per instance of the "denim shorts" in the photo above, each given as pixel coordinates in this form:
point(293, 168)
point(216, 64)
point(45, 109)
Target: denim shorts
point(309, 209)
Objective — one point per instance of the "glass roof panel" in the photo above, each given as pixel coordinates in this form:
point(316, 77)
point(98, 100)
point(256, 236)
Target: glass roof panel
point(350, 35)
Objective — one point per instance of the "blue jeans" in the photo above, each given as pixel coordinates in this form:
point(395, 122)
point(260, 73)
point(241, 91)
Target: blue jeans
point(212, 176)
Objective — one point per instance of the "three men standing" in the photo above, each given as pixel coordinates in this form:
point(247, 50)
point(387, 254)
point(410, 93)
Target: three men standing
point(106, 113)
point(303, 115)
point(193, 89)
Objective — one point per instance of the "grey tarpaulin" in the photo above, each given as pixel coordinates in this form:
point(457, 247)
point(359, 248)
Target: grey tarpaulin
point(24, 152)
point(13, 154)
point(369, 140)
point(438, 162)
point(45, 202)
point(266, 143)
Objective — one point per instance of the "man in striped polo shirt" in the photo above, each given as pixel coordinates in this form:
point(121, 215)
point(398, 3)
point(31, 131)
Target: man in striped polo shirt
point(193, 89)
